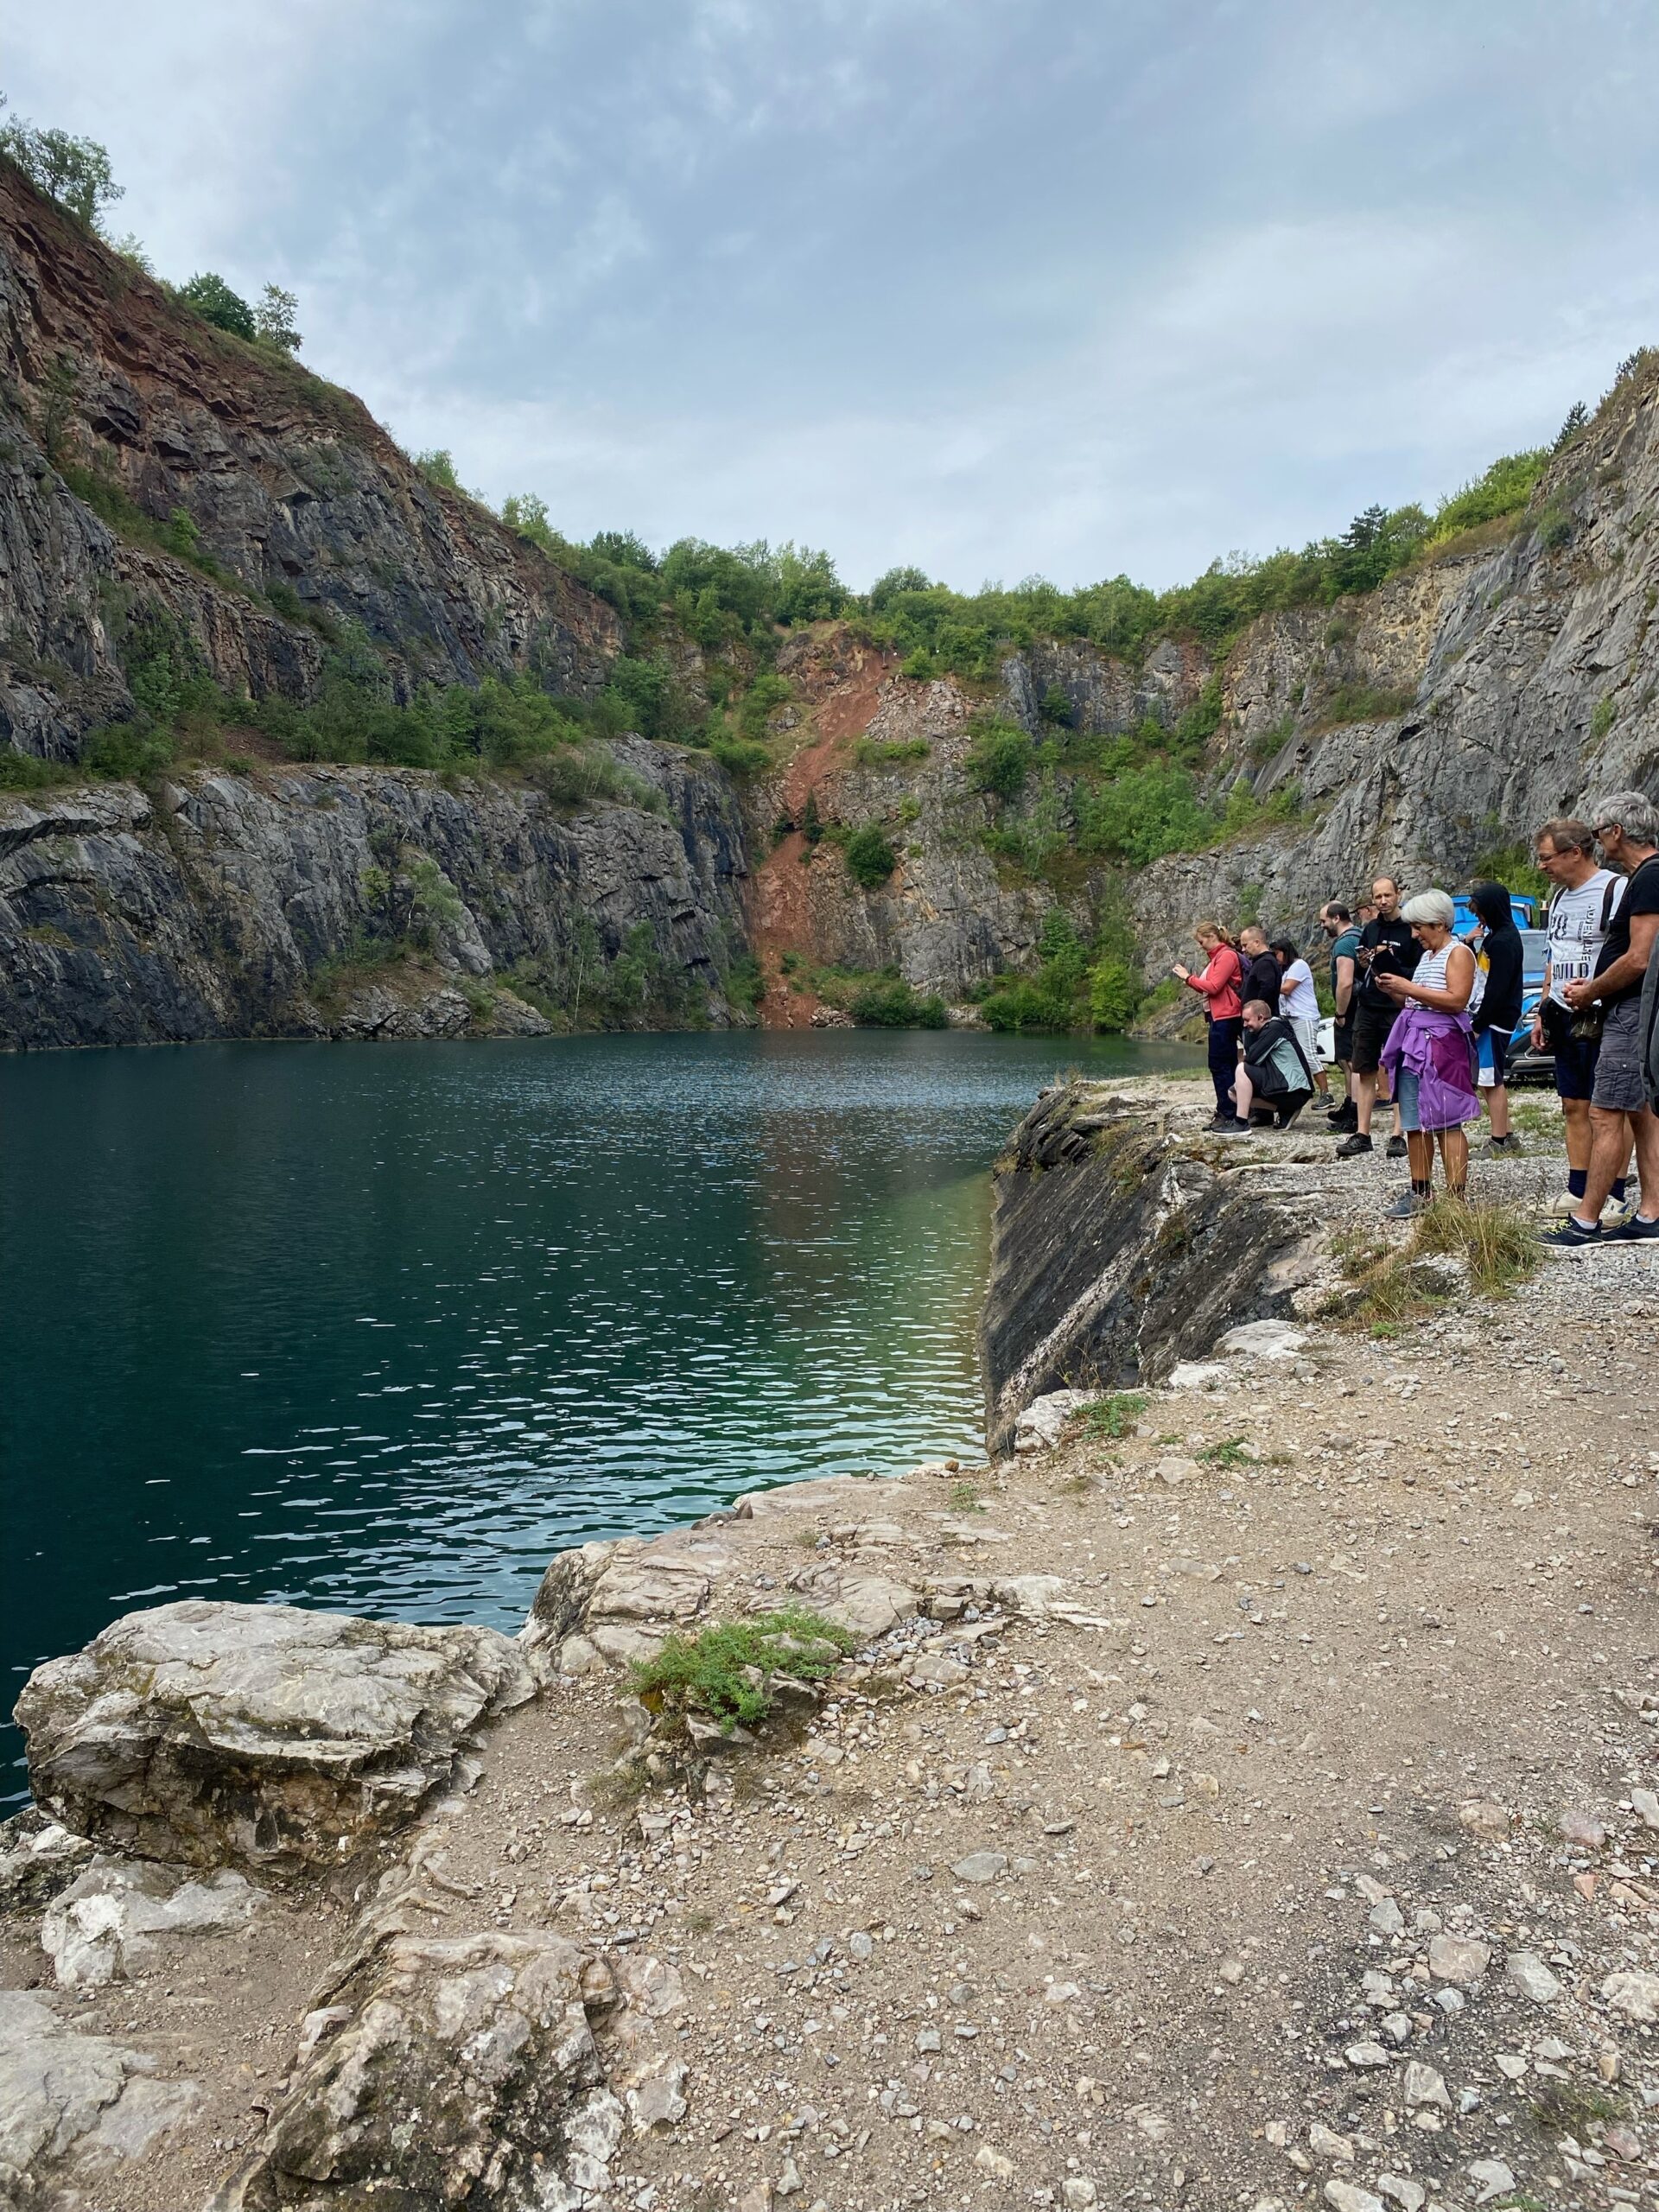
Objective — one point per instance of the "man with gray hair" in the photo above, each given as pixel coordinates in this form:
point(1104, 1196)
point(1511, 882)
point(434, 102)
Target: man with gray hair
point(1627, 830)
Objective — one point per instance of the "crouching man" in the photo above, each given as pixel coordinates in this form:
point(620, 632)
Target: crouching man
point(1273, 1078)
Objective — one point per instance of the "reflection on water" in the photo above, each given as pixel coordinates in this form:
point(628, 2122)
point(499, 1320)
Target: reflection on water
point(382, 1327)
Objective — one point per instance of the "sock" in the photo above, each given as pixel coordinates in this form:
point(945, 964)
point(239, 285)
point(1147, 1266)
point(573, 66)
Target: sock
point(1619, 1191)
point(1421, 1190)
point(1576, 1180)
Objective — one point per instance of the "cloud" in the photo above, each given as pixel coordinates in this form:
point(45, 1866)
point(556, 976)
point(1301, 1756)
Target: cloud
point(996, 291)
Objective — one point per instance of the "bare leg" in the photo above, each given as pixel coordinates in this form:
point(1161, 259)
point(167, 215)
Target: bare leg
point(1497, 1108)
point(1420, 1150)
point(1364, 1099)
point(1243, 1092)
point(1578, 1141)
point(1610, 1133)
point(1647, 1161)
point(1454, 1153)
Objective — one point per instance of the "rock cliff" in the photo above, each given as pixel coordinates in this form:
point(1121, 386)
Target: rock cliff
point(1453, 710)
point(114, 401)
point(271, 904)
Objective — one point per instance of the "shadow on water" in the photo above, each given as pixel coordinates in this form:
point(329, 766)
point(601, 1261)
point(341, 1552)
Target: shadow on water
point(382, 1327)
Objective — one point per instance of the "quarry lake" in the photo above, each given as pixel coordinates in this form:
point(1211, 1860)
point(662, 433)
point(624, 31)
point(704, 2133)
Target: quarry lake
point(382, 1327)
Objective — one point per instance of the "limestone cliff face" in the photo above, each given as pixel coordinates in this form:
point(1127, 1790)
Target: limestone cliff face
point(288, 481)
point(227, 905)
point(885, 748)
point(1524, 677)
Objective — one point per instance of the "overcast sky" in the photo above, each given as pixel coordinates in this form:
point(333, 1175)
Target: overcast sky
point(999, 287)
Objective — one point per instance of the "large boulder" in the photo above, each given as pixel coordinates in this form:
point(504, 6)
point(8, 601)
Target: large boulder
point(204, 1732)
point(463, 2071)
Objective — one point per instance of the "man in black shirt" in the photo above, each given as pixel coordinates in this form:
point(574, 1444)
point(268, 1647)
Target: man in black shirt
point(1627, 830)
point(1262, 975)
point(1386, 947)
point(1503, 957)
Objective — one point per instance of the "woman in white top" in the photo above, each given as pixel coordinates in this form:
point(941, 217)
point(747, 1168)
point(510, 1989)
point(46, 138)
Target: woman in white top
point(1299, 1003)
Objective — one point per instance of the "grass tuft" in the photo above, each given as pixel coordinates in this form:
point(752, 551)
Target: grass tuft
point(722, 1671)
point(1115, 1416)
point(1498, 1244)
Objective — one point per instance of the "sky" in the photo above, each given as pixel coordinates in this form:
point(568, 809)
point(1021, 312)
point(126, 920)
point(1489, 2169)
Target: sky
point(998, 287)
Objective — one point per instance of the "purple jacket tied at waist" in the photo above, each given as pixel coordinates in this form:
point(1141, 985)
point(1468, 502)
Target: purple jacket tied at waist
point(1438, 1049)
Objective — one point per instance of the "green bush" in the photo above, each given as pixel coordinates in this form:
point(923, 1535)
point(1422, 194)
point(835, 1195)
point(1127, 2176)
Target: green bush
point(124, 752)
point(437, 465)
point(999, 758)
point(1503, 489)
point(1114, 994)
point(1144, 813)
point(870, 859)
point(721, 1672)
point(26, 771)
point(214, 301)
point(892, 1003)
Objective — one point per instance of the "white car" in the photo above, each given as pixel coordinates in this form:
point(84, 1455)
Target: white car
point(1328, 1040)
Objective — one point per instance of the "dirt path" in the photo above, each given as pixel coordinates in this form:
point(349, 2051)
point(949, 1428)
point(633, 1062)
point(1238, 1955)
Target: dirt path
point(778, 914)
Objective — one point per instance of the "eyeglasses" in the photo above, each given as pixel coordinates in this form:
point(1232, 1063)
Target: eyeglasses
point(1602, 828)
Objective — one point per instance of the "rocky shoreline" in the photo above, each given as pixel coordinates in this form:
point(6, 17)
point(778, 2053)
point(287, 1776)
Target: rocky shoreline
point(1242, 1794)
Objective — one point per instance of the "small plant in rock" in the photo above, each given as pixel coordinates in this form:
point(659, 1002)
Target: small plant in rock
point(1231, 1451)
point(1115, 1416)
point(964, 1498)
point(722, 1672)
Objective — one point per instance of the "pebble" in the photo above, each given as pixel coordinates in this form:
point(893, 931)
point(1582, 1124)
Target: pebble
point(1491, 2178)
point(1348, 2197)
point(1633, 1994)
point(1458, 1959)
point(1526, 1970)
point(1425, 2085)
point(1410, 2196)
point(981, 1866)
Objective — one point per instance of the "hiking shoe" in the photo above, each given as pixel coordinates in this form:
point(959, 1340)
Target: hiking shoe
point(1635, 1229)
point(1412, 1202)
point(1233, 1128)
point(1510, 1143)
point(1221, 1121)
point(1350, 1148)
point(1572, 1234)
point(1287, 1121)
point(1396, 1148)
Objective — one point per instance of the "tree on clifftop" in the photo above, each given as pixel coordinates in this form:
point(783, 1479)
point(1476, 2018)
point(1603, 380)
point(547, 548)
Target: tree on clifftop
point(215, 303)
point(276, 319)
point(75, 172)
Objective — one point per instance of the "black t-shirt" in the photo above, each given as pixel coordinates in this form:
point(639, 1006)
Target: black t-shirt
point(1264, 979)
point(1500, 1005)
point(1640, 897)
point(1397, 954)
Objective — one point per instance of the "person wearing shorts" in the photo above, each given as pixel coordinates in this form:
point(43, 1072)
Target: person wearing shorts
point(1627, 830)
point(1582, 900)
point(1386, 947)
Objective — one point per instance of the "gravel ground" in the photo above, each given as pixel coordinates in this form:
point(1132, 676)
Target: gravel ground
point(1306, 1856)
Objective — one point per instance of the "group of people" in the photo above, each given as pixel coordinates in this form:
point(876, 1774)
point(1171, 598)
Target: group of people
point(1424, 1019)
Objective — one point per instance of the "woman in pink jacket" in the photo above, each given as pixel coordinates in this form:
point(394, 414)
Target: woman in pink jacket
point(1217, 984)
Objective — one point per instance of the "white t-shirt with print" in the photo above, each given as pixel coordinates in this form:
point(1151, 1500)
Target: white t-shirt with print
point(1297, 999)
point(1577, 931)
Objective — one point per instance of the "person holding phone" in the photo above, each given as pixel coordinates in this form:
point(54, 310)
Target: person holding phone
point(1217, 985)
point(1387, 948)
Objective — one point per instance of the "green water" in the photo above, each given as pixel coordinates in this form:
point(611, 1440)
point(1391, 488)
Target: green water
point(382, 1327)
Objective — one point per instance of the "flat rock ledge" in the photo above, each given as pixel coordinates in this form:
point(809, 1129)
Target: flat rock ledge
point(206, 1734)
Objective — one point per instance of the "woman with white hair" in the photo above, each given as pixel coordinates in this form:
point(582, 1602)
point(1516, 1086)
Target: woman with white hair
point(1430, 1053)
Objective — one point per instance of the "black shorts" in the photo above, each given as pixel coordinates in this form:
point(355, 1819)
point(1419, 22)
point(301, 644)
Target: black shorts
point(1371, 1027)
point(1495, 1047)
point(1575, 1061)
point(1342, 1041)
